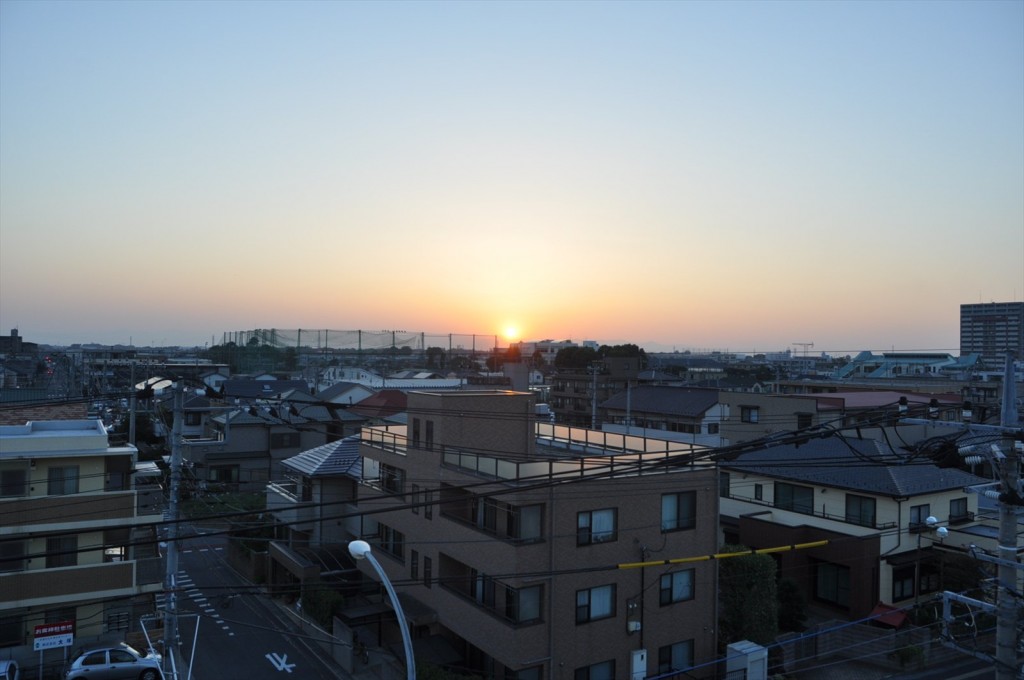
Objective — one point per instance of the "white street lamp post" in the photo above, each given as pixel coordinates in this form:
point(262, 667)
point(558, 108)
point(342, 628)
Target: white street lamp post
point(361, 551)
point(930, 521)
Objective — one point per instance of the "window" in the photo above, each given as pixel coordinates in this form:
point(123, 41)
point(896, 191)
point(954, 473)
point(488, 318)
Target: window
point(430, 435)
point(795, 498)
point(598, 671)
point(523, 605)
point(723, 484)
point(832, 583)
point(392, 541)
point(596, 526)
point(903, 583)
point(428, 509)
point(758, 492)
point(414, 565)
point(860, 510)
point(121, 656)
point(428, 571)
point(13, 482)
point(193, 418)
point(712, 428)
point(523, 523)
point(12, 556)
point(95, 659)
point(224, 474)
point(675, 657)
point(284, 440)
point(532, 673)
point(958, 510)
point(416, 499)
point(676, 586)
point(62, 481)
point(678, 511)
point(392, 479)
point(416, 432)
point(919, 515)
point(804, 420)
point(61, 551)
point(749, 414)
point(485, 514)
point(11, 628)
point(595, 603)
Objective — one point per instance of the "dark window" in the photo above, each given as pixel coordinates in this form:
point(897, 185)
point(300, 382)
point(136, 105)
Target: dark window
point(593, 604)
point(676, 586)
point(758, 492)
point(430, 435)
point(428, 572)
point(795, 498)
point(860, 510)
point(392, 479)
point(95, 659)
point(416, 497)
point(523, 523)
point(596, 526)
point(749, 414)
point(832, 583)
point(192, 418)
point(392, 541)
point(414, 565)
point(523, 605)
point(485, 514)
point(804, 420)
point(14, 482)
point(12, 556)
point(284, 440)
point(224, 474)
point(121, 656)
point(62, 481)
point(61, 551)
point(678, 511)
point(918, 516)
point(416, 432)
point(902, 583)
point(675, 657)
point(723, 484)
point(958, 510)
point(428, 509)
point(598, 671)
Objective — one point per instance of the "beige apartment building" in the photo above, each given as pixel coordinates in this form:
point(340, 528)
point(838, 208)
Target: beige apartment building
point(76, 544)
point(516, 547)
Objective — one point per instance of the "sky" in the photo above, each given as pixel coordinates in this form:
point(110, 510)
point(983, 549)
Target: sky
point(741, 176)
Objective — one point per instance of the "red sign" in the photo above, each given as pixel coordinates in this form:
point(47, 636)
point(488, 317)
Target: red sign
point(51, 635)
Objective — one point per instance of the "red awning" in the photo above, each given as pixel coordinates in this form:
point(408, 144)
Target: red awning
point(886, 615)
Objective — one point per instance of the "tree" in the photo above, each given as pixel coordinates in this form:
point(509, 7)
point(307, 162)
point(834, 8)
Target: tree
point(748, 602)
point(792, 606)
point(435, 357)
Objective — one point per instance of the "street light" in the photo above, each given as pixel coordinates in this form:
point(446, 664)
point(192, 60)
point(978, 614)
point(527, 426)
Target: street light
point(361, 551)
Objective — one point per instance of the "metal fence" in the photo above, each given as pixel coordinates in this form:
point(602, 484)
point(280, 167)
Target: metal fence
point(360, 340)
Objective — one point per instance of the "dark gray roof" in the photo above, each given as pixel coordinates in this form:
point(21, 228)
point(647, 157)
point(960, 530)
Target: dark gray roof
point(677, 401)
point(337, 458)
point(868, 465)
point(339, 388)
point(261, 389)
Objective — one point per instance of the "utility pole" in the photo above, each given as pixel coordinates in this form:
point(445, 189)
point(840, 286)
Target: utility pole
point(171, 573)
point(1007, 610)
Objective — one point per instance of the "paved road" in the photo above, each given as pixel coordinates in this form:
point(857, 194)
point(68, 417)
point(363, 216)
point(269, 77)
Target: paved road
point(242, 635)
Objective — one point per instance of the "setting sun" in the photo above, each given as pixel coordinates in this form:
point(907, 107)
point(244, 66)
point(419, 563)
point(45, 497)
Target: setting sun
point(511, 333)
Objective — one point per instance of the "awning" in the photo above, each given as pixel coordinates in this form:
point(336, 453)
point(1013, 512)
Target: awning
point(888, 615)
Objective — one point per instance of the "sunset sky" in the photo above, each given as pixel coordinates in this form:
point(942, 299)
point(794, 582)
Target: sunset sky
point(687, 175)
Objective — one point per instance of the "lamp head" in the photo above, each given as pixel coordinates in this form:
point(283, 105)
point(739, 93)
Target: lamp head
point(358, 549)
point(942, 532)
point(931, 521)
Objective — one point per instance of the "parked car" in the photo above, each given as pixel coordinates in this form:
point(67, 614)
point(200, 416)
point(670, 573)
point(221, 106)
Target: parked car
point(9, 670)
point(119, 662)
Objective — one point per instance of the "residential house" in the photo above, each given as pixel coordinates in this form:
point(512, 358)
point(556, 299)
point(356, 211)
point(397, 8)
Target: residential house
point(575, 393)
point(345, 393)
point(509, 547)
point(75, 545)
point(869, 503)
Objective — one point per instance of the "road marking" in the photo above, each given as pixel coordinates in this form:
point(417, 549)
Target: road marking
point(280, 662)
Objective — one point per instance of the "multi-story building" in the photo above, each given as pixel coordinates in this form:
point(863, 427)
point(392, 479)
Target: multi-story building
point(575, 393)
point(75, 545)
point(511, 540)
point(868, 503)
point(992, 329)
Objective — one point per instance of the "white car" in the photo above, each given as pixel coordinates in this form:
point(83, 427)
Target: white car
point(9, 670)
point(117, 662)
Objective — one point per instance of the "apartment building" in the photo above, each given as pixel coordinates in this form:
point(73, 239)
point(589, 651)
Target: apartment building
point(992, 329)
point(511, 541)
point(76, 544)
point(576, 393)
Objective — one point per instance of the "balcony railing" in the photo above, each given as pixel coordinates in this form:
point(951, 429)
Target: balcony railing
point(858, 521)
point(23, 588)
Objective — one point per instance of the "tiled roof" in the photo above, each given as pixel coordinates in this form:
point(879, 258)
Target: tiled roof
point(866, 465)
point(337, 458)
point(384, 403)
point(677, 401)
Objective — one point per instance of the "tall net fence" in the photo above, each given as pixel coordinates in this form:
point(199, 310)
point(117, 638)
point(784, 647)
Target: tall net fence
point(324, 339)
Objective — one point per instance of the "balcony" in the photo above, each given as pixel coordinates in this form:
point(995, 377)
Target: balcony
point(41, 587)
point(38, 511)
point(285, 501)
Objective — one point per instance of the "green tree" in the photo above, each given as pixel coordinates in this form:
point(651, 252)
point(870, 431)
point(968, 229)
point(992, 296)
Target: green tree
point(748, 600)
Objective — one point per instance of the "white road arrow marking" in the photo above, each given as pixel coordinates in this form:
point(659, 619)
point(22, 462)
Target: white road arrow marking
point(280, 662)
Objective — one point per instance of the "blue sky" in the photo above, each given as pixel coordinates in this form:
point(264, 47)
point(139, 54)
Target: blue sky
point(684, 174)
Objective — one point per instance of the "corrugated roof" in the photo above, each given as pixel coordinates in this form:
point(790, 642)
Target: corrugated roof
point(864, 465)
point(336, 458)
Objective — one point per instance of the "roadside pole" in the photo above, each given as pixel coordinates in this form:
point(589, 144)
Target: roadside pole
point(1007, 608)
point(171, 573)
